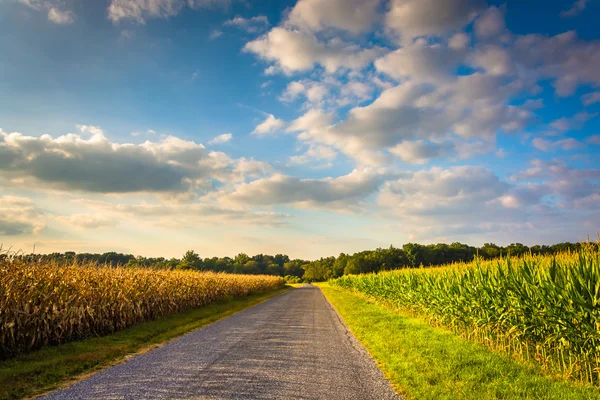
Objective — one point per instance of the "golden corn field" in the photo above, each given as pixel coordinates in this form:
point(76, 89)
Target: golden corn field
point(540, 309)
point(43, 303)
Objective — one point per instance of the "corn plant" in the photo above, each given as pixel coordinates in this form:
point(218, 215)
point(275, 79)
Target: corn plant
point(542, 309)
point(43, 303)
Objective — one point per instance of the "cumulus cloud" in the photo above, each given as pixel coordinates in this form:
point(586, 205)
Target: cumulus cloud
point(420, 151)
point(223, 138)
point(141, 10)
point(564, 58)
point(575, 122)
point(355, 16)
point(60, 17)
point(490, 24)
point(421, 62)
point(251, 25)
point(550, 145)
point(413, 18)
point(19, 216)
point(95, 164)
point(451, 193)
point(343, 192)
point(294, 50)
point(315, 152)
point(469, 107)
point(269, 125)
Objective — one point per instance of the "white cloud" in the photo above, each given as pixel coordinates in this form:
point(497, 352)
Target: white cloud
point(55, 14)
point(141, 10)
point(412, 18)
point(420, 151)
point(60, 17)
point(314, 152)
point(269, 125)
point(420, 62)
point(564, 58)
point(490, 25)
point(343, 193)
point(576, 8)
point(549, 145)
point(215, 33)
point(72, 162)
point(575, 122)
point(594, 139)
point(295, 51)
point(355, 16)
point(223, 138)
point(590, 98)
point(251, 25)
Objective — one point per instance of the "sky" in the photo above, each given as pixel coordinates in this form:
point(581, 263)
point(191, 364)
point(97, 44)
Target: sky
point(307, 127)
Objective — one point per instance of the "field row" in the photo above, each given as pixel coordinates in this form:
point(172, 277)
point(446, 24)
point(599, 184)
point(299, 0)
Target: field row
point(542, 309)
point(45, 303)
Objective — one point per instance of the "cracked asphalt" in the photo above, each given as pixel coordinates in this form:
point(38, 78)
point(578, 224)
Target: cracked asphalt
point(293, 346)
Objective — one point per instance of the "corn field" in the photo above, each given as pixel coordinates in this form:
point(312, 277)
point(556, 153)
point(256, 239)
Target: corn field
point(540, 309)
point(43, 304)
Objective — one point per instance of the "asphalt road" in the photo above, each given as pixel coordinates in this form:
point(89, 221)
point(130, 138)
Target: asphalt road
point(293, 346)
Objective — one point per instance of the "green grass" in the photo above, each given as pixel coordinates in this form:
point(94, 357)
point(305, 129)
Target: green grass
point(424, 362)
point(50, 368)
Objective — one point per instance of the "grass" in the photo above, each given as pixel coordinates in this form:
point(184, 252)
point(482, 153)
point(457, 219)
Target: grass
point(53, 367)
point(424, 362)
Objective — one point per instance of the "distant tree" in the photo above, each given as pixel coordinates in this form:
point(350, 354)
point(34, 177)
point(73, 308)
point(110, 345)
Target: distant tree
point(190, 260)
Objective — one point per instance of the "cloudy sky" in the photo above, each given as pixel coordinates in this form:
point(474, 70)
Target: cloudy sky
point(307, 128)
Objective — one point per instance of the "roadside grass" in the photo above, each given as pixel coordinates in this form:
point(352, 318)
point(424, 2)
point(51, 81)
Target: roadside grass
point(50, 368)
point(424, 362)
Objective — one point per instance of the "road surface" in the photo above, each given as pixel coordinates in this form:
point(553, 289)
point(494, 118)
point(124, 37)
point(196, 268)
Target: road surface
point(293, 346)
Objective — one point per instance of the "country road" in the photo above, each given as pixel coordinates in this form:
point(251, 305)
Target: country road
point(293, 346)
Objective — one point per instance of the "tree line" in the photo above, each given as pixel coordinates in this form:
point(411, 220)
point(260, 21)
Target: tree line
point(410, 255)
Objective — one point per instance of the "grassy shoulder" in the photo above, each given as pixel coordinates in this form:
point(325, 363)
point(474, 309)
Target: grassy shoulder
point(423, 362)
point(50, 368)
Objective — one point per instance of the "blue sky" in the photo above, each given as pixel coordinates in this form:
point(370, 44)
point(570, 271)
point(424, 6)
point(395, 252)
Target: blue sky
point(309, 127)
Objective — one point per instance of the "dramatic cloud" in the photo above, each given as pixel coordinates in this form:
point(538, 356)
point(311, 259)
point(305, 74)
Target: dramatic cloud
point(19, 216)
point(141, 10)
point(223, 138)
point(355, 16)
point(295, 51)
point(72, 162)
point(269, 125)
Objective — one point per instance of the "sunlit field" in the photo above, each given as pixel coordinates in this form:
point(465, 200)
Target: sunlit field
point(48, 303)
point(541, 309)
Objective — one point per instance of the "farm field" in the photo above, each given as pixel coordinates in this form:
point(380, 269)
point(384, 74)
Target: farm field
point(48, 303)
point(541, 310)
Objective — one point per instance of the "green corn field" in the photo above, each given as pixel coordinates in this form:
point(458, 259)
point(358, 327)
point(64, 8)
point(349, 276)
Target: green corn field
point(45, 303)
point(540, 309)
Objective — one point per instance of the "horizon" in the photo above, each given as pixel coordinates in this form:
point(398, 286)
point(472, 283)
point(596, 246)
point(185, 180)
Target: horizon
point(289, 127)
